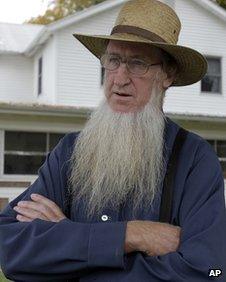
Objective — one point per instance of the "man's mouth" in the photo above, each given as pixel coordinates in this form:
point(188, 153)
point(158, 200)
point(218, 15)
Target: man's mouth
point(122, 94)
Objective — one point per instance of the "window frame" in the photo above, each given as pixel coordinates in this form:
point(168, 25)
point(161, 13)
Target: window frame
point(29, 177)
point(221, 159)
point(220, 76)
point(40, 75)
point(102, 74)
point(3, 202)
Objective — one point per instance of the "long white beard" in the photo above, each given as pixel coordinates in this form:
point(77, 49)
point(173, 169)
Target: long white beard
point(119, 156)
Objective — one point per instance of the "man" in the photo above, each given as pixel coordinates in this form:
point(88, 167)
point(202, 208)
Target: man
point(93, 212)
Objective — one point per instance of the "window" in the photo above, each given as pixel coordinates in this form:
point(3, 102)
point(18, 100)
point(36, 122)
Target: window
point(212, 80)
point(40, 76)
point(102, 76)
point(220, 148)
point(3, 203)
point(25, 152)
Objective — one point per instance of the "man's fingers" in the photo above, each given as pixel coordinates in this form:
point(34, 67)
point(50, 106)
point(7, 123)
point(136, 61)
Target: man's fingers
point(40, 207)
point(30, 213)
point(47, 202)
point(22, 218)
point(37, 209)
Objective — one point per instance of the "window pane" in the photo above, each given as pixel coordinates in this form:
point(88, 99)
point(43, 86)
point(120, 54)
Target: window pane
point(210, 141)
point(15, 164)
point(212, 80)
point(3, 203)
point(223, 165)
point(102, 76)
point(54, 139)
point(211, 84)
point(221, 149)
point(40, 84)
point(40, 76)
point(40, 66)
point(214, 66)
point(25, 141)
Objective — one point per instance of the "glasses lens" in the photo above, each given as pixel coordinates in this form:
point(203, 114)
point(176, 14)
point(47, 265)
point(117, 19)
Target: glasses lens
point(137, 66)
point(110, 62)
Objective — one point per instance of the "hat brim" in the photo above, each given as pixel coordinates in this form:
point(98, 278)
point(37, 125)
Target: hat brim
point(192, 65)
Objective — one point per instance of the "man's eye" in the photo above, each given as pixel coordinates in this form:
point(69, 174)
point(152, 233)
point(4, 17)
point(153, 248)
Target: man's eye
point(138, 63)
point(113, 60)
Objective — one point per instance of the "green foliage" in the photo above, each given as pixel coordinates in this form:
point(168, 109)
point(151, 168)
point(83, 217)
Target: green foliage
point(222, 3)
point(58, 9)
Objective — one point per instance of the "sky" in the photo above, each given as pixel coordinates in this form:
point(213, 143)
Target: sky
point(18, 11)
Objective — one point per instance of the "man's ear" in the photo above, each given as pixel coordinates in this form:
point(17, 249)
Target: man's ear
point(167, 82)
point(171, 73)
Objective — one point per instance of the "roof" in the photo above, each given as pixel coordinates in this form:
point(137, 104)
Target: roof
point(91, 11)
point(15, 38)
point(210, 5)
point(25, 38)
point(213, 7)
point(76, 111)
point(44, 109)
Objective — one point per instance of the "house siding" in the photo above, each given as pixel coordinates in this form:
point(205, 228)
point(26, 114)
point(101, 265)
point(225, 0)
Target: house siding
point(49, 81)
point(71, 74)
point(16, 79)
point(206, 33)
point(79, 72)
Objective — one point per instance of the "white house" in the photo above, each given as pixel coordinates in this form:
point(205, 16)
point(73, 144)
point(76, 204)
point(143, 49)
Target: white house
point(49, 83)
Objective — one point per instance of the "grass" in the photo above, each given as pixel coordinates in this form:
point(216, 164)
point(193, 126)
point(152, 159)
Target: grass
point(2, 278)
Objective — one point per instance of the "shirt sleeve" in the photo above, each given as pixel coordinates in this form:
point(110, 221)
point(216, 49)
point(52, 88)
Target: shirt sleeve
point(47, 251)
point(202, 218)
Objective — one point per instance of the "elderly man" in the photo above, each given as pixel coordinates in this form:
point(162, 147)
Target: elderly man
point(94, 213)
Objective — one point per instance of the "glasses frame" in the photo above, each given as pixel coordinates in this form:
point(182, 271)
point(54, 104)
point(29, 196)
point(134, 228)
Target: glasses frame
point(125, 60)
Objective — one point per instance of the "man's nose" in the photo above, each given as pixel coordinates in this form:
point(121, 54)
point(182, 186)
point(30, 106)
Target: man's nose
point(122, 75)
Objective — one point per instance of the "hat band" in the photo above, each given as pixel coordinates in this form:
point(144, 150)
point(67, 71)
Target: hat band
point(137, 31)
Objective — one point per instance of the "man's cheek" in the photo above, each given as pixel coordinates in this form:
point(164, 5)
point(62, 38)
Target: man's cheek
point(108, 89)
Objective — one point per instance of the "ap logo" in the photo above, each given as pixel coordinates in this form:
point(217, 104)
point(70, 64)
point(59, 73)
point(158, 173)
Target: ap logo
point(215, 272)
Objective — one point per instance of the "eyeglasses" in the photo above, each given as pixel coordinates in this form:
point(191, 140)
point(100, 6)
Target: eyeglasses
point(135, 66)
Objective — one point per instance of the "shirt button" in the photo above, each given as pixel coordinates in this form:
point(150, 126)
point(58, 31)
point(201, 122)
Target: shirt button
point(104, 217)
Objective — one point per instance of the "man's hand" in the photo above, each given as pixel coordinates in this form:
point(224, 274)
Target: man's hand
point(152, 238)
point(40, 207)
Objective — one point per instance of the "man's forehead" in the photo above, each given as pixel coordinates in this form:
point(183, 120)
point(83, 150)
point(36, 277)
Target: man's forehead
point(132, 49)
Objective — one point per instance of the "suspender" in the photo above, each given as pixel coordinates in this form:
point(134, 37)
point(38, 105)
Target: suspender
point(167, 194)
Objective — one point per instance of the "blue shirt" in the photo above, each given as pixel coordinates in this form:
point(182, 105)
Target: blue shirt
point(77, 250)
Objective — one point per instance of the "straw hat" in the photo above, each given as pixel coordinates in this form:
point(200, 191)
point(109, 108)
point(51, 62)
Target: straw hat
point(155, 23)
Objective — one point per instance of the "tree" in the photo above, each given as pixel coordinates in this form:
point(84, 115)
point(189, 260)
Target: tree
point(58, 9)
point(222, 3)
